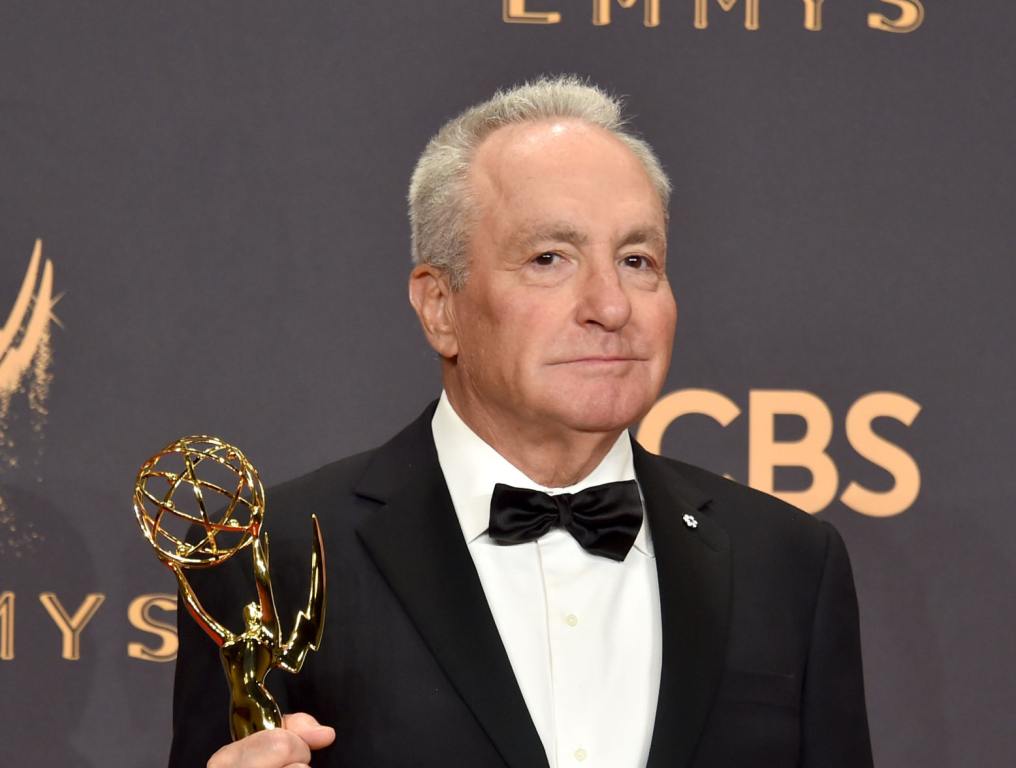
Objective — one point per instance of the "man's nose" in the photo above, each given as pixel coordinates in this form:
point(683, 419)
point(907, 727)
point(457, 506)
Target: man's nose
point(603, 299)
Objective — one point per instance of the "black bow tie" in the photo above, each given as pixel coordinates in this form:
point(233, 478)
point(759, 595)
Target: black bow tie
point(604, 519)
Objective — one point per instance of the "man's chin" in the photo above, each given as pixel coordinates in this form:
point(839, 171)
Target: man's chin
point(603, 417)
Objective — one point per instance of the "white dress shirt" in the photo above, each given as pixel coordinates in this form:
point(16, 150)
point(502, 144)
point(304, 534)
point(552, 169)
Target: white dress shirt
point(582, 632)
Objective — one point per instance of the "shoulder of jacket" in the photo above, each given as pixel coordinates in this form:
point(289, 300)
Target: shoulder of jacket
point(739, 506)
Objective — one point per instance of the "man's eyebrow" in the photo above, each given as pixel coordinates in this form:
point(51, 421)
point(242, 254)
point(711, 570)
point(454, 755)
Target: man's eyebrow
point(556, 233)
point(566, 233)
point(650, 235)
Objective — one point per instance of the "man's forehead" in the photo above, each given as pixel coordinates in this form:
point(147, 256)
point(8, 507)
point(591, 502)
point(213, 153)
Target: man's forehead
point(532, 168)
point(518, 149)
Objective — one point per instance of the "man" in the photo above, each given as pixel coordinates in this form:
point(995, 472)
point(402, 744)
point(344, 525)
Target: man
point(620, 610)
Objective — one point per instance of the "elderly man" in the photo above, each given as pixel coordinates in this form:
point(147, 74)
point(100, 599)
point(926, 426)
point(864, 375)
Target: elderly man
point(513, 581)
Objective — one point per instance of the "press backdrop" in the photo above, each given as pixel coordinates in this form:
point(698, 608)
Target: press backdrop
point(214, 196)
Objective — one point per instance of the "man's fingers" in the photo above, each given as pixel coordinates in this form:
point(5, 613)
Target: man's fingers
point(310, 730)
point(276, 748)
point(286, 747)
point(298, 721)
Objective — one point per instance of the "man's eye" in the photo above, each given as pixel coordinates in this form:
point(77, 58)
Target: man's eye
point(637, 261)
point(547, 259)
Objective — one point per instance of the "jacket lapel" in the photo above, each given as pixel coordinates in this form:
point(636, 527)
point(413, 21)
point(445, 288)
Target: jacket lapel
point(415, 540)
point(694, 571)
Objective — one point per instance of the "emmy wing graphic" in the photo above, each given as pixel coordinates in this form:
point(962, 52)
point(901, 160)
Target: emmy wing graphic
point(25, 362)
point(26, 333)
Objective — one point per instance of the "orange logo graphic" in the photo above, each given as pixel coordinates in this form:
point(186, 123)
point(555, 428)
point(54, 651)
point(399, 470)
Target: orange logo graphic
point(25, 361)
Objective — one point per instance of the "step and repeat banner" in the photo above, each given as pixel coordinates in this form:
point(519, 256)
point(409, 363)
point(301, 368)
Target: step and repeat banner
point(203, 230)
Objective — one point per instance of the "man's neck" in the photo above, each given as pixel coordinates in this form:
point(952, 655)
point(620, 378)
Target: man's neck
point(554, 458)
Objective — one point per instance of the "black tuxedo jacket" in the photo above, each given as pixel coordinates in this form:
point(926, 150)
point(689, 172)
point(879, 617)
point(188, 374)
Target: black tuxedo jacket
point(761, 654)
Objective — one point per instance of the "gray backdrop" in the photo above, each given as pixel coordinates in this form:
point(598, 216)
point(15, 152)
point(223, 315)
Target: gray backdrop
point(219, 190)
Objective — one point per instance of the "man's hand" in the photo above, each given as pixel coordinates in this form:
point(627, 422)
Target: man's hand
point(286, 747)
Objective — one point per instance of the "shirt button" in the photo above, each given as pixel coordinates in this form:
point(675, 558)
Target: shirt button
point(571, 620)
point(580, 754)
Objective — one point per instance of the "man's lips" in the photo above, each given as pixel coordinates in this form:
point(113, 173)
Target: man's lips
point(600, 360)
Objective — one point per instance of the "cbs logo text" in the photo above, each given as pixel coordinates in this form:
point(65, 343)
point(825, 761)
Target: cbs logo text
point(766, 453)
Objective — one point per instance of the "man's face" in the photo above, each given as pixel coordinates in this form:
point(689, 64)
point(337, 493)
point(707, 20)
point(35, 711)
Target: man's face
point(566, 319)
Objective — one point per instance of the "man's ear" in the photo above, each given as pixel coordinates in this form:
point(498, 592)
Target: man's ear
point(431, 296)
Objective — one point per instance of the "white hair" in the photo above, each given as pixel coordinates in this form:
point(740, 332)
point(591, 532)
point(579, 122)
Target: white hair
point(441, 209)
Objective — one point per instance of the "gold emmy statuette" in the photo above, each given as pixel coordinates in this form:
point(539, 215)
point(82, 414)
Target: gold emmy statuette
point(173, 500)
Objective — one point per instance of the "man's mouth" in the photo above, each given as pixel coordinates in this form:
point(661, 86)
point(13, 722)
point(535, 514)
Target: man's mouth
point(600, 360)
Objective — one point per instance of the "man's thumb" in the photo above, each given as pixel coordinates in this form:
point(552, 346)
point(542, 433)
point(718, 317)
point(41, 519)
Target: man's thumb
point(307, 728)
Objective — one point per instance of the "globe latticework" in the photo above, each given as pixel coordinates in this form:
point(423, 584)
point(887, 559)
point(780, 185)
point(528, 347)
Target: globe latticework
point(199, 501)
